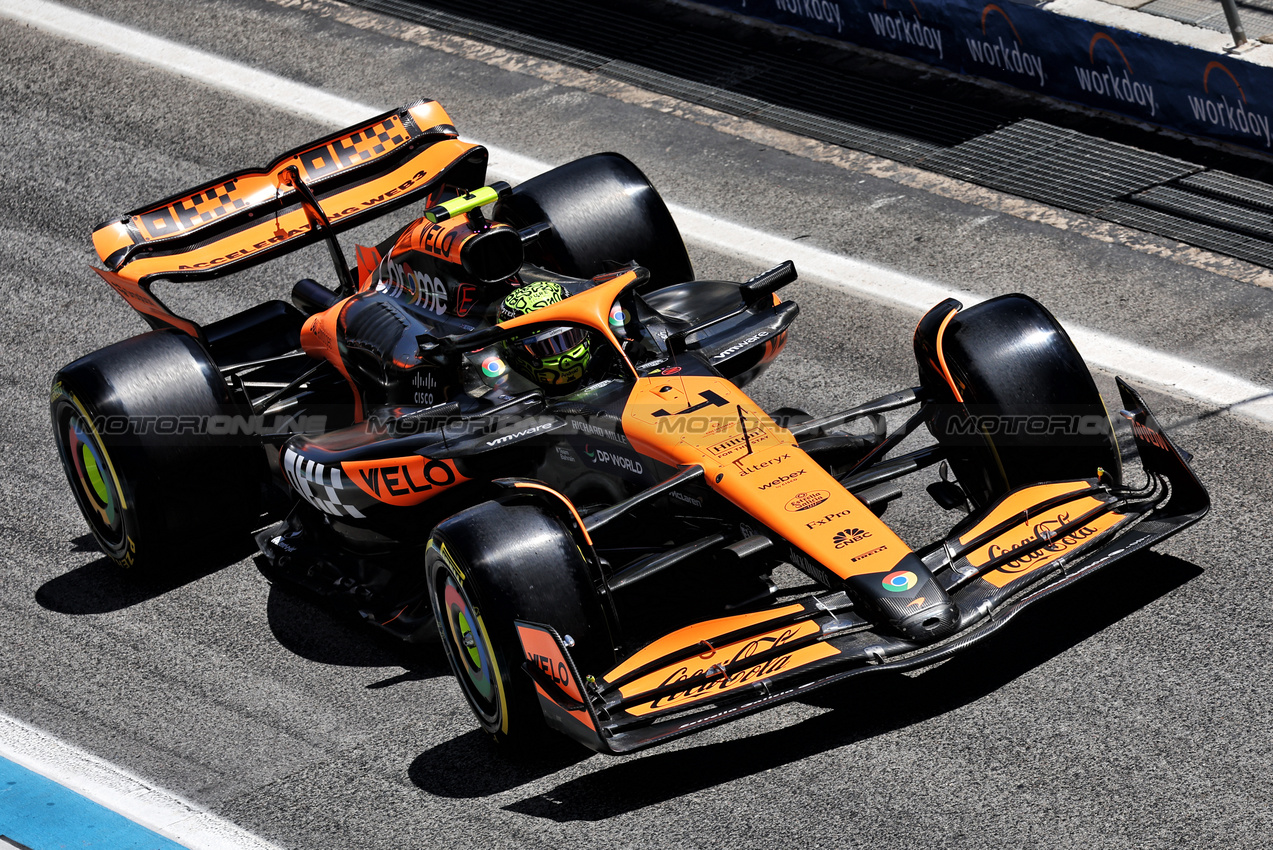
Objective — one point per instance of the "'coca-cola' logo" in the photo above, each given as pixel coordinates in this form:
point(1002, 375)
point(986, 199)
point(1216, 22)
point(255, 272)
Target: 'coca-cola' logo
point(1042, 539)
point(1054, 545)
point(727, 668)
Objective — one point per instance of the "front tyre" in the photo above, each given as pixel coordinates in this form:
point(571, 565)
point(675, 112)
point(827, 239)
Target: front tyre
point(135, 430)
point(1017, 404)
point(493, 564)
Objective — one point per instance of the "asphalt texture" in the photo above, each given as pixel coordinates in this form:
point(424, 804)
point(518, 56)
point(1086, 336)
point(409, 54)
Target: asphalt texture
point(1131, 711)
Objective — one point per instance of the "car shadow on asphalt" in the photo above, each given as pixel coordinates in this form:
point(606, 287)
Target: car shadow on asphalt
point(309, 630)
point(493, 772)
point(624, 785)
point(100, 587)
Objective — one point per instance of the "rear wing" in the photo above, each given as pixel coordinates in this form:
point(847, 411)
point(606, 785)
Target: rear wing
point(251, 216)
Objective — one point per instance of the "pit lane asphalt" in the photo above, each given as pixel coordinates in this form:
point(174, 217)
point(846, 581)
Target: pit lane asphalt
point(1130, 712)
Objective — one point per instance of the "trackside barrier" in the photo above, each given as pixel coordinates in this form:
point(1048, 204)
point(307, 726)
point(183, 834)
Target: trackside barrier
point(1203, 93)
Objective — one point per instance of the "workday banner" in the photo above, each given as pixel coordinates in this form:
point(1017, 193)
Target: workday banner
point(1176, 86)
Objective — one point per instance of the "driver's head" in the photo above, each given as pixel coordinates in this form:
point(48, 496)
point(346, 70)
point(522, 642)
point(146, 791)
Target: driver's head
point(555, 358)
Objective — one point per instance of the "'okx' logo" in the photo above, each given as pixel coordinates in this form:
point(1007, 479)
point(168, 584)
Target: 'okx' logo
point(1005, 55)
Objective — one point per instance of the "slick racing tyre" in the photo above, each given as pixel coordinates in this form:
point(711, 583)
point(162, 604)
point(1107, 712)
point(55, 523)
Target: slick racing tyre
point(156, 483)
point(602, 209)
point(1018, 404)
point(492, 564)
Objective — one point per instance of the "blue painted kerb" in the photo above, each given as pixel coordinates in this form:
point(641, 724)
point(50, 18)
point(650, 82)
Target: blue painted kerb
point(39, 813)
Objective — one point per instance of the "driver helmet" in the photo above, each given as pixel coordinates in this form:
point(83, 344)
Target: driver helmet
point(555, 358)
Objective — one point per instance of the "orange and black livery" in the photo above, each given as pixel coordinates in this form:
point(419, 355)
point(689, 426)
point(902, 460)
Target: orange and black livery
point(520, 423)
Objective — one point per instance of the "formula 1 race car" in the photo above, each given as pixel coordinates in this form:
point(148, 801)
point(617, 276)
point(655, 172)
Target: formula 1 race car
point(565, 479)
point(171, 439)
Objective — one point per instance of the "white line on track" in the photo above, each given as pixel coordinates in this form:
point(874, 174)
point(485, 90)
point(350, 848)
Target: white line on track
point(1167, 372)
point(121, 791)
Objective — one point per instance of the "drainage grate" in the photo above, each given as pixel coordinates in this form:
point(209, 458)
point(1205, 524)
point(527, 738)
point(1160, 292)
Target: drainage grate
point(1206, 210)
point(1190, 232)
point(855, 136)
point(1057, 165)
point(680, 88)
point(846, 100)
point(487, 32)
point(1221, 184)
point(1213, 209)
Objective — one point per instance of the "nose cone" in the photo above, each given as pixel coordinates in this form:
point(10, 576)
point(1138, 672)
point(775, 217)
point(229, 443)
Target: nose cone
point(932, 622)
point(909, 601)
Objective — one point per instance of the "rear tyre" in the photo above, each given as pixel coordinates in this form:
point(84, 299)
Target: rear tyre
point(488, 566)
point(603, 210)
point(1030, 410)
point(155, 482)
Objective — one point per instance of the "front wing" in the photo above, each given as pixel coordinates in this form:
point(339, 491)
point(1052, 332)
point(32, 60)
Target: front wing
point(721, 669)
